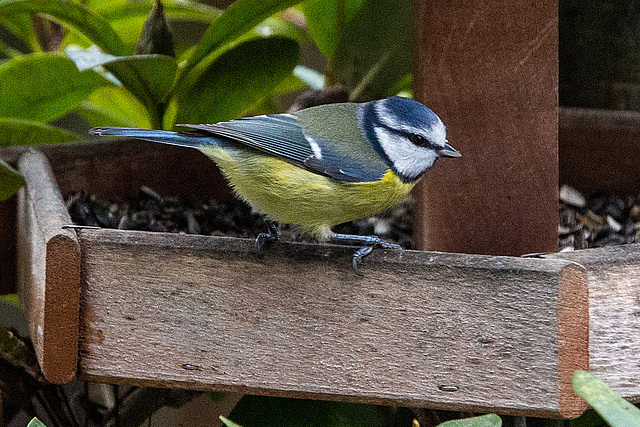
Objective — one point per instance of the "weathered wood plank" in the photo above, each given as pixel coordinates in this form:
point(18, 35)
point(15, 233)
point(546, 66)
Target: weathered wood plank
point(48, 270)
point(490, 70)
point(206, 313)
point(614, 301)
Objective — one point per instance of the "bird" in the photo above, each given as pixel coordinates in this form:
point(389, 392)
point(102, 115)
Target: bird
point(320, 166)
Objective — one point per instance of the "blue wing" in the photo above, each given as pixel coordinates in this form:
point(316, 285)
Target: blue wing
point(282, 135)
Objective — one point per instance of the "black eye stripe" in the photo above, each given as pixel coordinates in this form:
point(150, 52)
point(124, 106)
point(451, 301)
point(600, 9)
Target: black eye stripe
point(420, 140)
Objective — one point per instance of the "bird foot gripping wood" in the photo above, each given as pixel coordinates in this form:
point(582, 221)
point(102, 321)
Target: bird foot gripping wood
point(272, 235)
point(369, 242)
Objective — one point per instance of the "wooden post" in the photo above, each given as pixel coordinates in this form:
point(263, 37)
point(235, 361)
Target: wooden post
point(490, 70)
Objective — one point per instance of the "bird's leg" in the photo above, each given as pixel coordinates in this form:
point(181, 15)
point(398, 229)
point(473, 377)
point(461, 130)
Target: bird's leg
point(368, 242)
point(272, 235)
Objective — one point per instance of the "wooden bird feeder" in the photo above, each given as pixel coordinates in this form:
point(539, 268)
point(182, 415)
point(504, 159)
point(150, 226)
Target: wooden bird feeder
point(486, 332)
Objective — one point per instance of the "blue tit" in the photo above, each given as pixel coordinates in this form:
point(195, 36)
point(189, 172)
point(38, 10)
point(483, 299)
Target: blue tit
point(320, 166)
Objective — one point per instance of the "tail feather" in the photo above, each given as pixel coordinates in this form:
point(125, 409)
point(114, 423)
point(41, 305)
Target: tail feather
point(188, 139)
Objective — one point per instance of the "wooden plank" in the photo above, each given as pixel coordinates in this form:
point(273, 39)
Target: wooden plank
point(8, 246)
point(490, 70)
point(614, 300)
point(599, 150)
point(48, 270)
point(461, 332)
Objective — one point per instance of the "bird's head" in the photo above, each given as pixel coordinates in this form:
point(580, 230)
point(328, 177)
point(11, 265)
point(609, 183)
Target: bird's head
point(408, 135)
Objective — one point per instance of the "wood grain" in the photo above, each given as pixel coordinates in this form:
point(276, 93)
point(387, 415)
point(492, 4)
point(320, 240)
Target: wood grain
point(48, 270)
point(490, 70)
point(614, 301)
point(206, 313)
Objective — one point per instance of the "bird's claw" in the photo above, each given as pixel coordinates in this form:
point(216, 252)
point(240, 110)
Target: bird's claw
point(273, 235)
point(369, 243)
point(358, 255)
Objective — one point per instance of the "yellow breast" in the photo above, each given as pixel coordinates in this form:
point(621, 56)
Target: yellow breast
point(289, 194)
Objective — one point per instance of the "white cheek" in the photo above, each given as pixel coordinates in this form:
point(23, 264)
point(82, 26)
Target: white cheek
point(409, 160)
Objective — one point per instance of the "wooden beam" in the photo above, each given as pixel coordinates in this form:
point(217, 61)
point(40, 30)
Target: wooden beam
point(48, 270)
point(599, 150)
point(490, 70)
point(450, 331)
point(614, 306)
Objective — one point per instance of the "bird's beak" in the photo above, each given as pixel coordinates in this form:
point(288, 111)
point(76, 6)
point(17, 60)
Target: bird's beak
point(448, 151)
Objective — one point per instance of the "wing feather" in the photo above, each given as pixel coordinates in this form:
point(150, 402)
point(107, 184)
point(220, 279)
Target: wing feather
point(283, 136)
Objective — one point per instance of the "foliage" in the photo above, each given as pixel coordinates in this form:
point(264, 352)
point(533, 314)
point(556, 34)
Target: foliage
point(35, 423)
point(616, 411)
point(243, 57)
point(371, 61)
point(489, 420)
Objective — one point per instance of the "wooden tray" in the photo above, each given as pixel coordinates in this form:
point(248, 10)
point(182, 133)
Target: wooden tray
point(422, 329)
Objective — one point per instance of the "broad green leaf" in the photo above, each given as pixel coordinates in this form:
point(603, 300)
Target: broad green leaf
point(42, 87)
point(21, 26)
point(114, 106)
point(228, 422)
point(148, 77)
point(10, 181)
point(614, 409)
point(73, 15)
point(280, 412)
point(26, 132)
point(371, 62)
point(237, 19)
point(127, 17)
point(327, 20)
point(236, 80)
point(36, 423)
point(289, 84)
point(490, 420)
point(175, 9)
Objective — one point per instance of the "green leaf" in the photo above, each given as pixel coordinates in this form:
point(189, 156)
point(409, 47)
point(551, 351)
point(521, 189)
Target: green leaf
point(27, 132)
point(42, 87)
point(236, 20)
point(490, 420)
point(10, 181)
point(148, 77)
point(326, 23)
point(12, 299)
point(35, 423)
point(114, 106)
point(371, 62)
point(115, 10)
point(237, 80)
point(127, 17)
point(228, 422)
point(72, 15)
point(614, 409)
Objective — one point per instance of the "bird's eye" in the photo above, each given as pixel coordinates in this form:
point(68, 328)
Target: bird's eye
point(419, 140)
